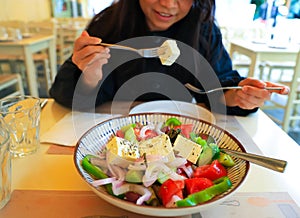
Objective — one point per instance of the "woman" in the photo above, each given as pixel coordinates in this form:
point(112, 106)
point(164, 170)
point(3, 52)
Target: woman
point(191, 22)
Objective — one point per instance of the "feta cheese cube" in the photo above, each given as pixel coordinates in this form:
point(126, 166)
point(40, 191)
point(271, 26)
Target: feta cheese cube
point(187, 149)
point(171, 52)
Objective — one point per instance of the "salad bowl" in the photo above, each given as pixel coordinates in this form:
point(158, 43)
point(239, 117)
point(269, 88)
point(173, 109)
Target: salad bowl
point(95, 140)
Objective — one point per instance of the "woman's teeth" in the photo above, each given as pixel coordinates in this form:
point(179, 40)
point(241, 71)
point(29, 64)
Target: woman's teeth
point(165, 15)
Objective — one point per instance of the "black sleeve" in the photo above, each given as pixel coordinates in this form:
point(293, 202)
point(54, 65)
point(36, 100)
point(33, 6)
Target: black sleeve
point(62, 90)
point(221, 63)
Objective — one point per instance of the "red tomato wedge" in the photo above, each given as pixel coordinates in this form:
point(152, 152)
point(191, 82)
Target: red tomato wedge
point(193, 185)
point(186, 129)
point(120, 133)
point(170, 188)
point(213, 171)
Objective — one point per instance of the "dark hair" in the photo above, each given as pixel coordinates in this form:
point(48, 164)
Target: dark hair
point(127, 20)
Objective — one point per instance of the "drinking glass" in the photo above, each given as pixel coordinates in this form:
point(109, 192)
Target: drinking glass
point(5, 165)
point(22, 116)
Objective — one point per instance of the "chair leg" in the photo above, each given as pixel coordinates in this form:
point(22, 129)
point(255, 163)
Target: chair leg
point(20, 85)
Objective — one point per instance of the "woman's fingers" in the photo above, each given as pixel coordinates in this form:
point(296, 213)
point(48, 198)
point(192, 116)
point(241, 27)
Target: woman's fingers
point(84, 40)
point(87, 49)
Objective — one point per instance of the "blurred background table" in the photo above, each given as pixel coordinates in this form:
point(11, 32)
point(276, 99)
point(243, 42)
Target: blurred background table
point(259, 52)
point(26, 48)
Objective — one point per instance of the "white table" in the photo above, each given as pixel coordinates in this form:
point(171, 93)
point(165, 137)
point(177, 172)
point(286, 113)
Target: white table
point(42, 171)
point(26, 48)
point(262, 52)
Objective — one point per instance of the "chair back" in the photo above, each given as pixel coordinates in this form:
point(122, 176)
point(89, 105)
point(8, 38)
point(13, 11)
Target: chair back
point(292, 112)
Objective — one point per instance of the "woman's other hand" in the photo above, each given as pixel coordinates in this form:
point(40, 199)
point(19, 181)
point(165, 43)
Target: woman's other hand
point(253, 94)
point(89, 57)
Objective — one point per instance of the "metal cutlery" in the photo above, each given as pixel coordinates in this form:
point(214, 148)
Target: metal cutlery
point(43, 103)
point(268, 162)
point(199, 91)
point(145, 52)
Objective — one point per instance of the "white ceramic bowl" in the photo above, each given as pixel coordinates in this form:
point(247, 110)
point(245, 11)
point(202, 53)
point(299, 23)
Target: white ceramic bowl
point(175, 107)
point(94, 140)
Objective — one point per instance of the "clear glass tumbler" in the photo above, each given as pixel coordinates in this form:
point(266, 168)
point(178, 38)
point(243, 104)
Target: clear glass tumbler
point(5, 165)
point(22, 116)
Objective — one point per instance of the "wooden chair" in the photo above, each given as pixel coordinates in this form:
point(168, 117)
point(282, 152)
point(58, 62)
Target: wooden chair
point(266, 69)
point(41, 60)
point(291, 105)
point(11, 85)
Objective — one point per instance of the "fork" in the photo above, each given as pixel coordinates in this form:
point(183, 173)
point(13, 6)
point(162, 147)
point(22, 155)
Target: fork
point(199, 91)
point(145, 52)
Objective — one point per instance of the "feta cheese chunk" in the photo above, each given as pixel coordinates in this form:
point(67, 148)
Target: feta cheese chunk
point(121, 151)
point(171, 52)
point(187, 149)
point(159, 145)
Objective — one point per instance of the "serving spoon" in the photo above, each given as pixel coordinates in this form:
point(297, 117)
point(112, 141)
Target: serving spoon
point(267, 162)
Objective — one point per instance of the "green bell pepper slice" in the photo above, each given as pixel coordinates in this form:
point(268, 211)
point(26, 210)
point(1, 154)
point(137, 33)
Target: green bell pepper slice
point(172, 122)
point(220, 185)
point(95, 171)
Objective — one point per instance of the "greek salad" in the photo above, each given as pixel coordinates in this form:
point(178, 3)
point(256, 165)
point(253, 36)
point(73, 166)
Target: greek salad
point(166, 164)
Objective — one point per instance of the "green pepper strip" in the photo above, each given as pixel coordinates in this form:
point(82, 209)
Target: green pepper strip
point(95, 171)
point(172, 122)
point(221, 185)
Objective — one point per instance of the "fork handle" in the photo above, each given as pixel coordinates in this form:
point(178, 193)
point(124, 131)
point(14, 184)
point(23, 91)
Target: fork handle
point(121, 47)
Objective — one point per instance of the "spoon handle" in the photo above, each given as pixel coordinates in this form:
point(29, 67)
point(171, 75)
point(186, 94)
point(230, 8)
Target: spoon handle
point(270, 163)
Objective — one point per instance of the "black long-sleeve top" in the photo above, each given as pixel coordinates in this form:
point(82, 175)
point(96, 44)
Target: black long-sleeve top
point(130, 77)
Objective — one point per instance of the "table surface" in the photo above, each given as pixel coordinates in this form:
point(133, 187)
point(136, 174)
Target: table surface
point(27, 41)
point(263, 52)
point(42, 171)
point(266, 47)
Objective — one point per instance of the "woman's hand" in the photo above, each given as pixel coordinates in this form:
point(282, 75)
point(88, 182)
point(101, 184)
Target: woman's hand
point(253, 94)
point(89, 57)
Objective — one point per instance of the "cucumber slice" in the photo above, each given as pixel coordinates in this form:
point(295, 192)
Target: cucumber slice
point(125, 128)
point(134, 176)
point(130, 135)
point(162, 177)
point(205, 156)
point(216, 150)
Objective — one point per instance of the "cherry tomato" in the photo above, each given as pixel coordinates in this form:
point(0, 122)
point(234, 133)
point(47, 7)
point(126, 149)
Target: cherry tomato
point(213, 171)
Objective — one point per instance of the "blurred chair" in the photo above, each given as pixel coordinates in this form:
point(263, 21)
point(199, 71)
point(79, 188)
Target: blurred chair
point(15, 63)
point(290, 105)
point(267, 69)
point(11, 85)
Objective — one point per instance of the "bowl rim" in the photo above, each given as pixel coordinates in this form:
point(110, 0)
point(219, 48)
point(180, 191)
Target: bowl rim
point(161, 211)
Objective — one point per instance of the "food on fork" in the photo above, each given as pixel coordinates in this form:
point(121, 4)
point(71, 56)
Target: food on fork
point(171, 52)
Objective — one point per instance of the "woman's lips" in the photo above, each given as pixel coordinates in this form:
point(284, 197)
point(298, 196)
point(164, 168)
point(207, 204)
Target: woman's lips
point(164, 16)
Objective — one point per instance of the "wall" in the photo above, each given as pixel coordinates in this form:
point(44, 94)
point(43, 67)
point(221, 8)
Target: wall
point(30, 10)
point(25, 10)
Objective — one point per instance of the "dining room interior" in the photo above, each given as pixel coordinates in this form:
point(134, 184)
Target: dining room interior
point(262, 37)
point(276, 27)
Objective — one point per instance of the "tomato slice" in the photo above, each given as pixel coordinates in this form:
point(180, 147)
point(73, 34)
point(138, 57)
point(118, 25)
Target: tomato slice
point(150, 134)
point(120, 133)
point(193, 185)
point(213, 171)
point(170, 188)
point(186, 129)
